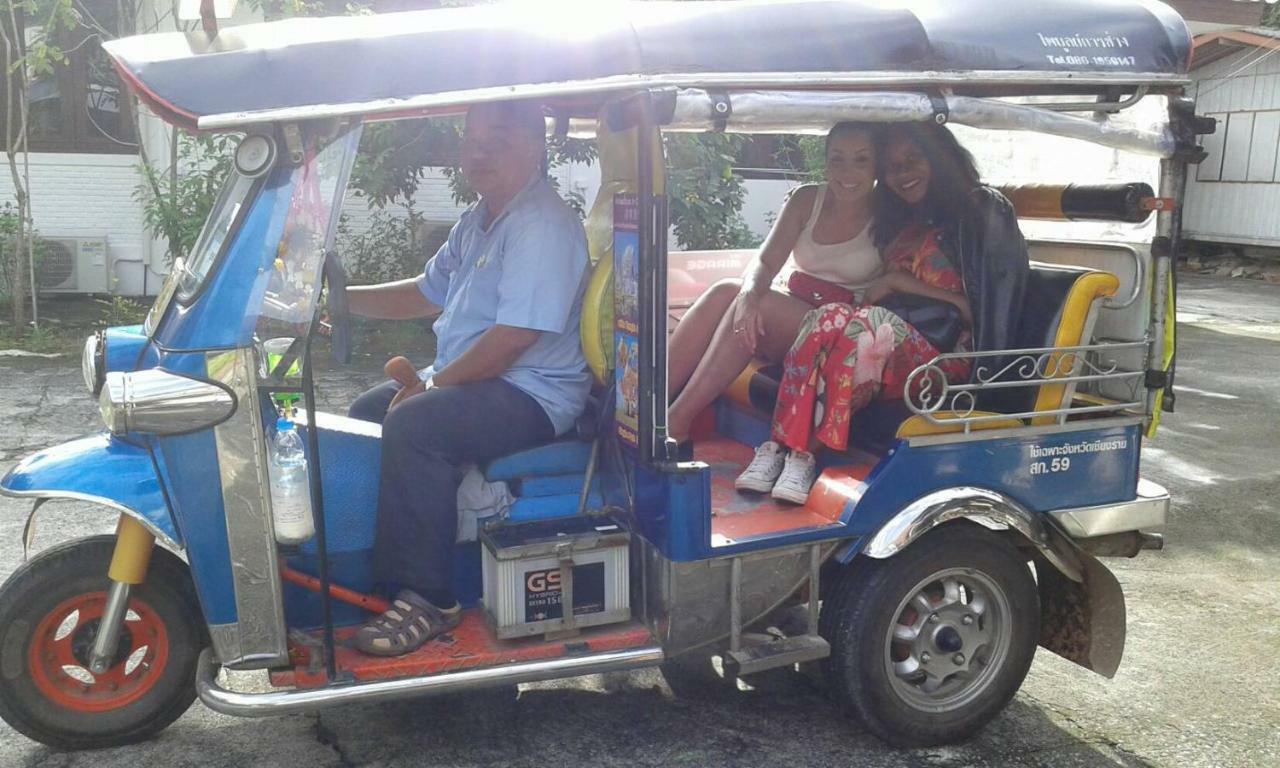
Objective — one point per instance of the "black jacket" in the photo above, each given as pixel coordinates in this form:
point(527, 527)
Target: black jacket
point(993, 262)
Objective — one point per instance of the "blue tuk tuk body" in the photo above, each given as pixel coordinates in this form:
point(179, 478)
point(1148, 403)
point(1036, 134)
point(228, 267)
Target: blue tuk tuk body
point(187, 397)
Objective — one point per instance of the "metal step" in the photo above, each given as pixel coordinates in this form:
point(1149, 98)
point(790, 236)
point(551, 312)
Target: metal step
point(778, 653)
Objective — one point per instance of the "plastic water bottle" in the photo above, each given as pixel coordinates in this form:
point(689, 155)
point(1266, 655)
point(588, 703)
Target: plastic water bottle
point(290, 491)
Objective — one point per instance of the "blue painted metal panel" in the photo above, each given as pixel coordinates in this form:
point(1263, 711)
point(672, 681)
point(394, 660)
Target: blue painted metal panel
point(1101, 467)
point(189, 467)
point(225, 312)
point(97, 466)
point(127, 349)
point(1094, 466)
point(674, 512)
point(349, 467)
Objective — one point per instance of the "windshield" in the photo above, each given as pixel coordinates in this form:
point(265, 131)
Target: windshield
point(192, 272)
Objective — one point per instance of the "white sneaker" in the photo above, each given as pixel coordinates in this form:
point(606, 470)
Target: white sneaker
point(798, 475)
point(763, 469)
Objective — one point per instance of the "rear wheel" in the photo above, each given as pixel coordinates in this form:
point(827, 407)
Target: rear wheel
point(929, 645)
point(49, 616)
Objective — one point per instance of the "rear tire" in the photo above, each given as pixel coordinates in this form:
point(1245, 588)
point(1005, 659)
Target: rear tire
point(929, 645)
point(49, 610)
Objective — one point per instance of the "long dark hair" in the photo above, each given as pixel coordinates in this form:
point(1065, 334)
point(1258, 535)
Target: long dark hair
point(954, 176)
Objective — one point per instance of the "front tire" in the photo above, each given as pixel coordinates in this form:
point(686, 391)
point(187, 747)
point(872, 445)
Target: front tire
point(929, 645)
point(49, 612)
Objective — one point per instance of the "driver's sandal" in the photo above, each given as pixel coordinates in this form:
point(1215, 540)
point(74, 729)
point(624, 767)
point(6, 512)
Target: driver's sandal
point(407, 625)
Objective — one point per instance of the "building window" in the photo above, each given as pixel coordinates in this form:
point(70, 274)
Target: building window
point(1243, 149)
point(80, 106)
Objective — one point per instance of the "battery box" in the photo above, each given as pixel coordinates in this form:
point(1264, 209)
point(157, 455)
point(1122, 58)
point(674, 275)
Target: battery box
point(532, 571)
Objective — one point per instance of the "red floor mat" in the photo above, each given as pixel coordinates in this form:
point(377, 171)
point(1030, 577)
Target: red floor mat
point(471, 645)
point(740, 516)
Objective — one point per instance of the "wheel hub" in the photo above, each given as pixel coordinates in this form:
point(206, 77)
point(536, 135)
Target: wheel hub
point(951, 630)
point(82, 643)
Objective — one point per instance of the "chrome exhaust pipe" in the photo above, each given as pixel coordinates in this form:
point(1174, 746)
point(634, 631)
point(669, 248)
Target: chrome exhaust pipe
point(283, 702)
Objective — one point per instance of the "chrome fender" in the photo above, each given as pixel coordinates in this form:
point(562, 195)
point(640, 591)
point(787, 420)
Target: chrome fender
point(1082, 609)
point(992, 510)
point(98, 469)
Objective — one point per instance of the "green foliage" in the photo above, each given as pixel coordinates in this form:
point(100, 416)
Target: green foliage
point(176, 206)
point(10, 231)
point(393, 156)
point(119, 310)
point(704, 194)
point(1272, 16)
point(811, 150)
point(390, 248)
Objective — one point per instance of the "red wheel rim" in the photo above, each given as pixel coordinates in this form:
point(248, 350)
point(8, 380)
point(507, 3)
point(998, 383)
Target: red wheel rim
point(58, 656)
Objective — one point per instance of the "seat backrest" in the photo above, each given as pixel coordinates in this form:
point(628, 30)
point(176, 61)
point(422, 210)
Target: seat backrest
point(619, 167)
point(1059, 310)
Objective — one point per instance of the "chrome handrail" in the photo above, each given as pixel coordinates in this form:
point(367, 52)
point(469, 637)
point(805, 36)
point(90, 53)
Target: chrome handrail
point(928, 393)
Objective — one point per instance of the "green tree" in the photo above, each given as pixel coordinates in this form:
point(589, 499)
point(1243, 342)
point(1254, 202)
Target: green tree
point(177, 200)
point(1272, 16)
point(704, 194)
point(30, 35)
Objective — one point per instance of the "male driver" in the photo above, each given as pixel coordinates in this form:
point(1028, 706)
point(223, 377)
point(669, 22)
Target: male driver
point(509, 370)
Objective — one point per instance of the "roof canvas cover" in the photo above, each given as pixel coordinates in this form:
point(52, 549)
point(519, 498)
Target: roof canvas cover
point(367, 64)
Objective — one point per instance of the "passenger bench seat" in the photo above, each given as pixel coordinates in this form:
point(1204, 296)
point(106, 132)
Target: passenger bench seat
point(1060, 310)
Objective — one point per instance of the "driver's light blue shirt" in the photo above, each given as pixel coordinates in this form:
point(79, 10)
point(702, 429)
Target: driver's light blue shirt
point(529, 270)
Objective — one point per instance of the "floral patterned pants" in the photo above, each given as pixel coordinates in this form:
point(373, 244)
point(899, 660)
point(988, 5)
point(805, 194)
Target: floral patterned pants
point(843, 358)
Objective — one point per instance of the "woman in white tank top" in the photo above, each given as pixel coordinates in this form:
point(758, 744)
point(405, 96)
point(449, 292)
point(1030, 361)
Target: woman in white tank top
point(827, 228)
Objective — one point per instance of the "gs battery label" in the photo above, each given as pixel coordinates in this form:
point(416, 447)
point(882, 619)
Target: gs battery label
point(543, 594)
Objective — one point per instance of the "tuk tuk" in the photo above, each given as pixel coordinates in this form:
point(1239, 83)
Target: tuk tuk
point(930, 559)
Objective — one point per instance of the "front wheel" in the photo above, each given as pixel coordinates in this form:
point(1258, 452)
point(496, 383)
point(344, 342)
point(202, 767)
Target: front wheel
point(929, 645)
point(49, 614)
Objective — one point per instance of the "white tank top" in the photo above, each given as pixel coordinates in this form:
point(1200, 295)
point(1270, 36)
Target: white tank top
point(853, 263)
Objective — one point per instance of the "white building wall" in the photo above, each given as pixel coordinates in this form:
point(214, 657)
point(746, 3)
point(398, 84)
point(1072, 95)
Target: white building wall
point(1234, 195)
point(90, 196)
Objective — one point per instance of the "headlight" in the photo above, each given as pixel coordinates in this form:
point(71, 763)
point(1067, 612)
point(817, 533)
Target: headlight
point(93, 362)
point(162, 403)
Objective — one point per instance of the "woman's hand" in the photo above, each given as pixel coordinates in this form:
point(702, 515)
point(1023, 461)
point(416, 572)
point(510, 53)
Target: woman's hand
point(748, 323)
point(880, 287)
point(962, 304)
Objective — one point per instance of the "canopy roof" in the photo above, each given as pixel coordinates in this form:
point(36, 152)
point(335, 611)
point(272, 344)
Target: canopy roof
point(367, 65)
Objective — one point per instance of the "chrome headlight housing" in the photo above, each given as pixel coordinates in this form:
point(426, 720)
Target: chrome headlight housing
point(93, 362)
point(162, 403)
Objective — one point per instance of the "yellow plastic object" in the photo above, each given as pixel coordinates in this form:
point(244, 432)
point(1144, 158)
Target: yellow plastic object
point(1084, 292)
point(1036, 201)
point(919, 426)
point(740, 390)
point(1166, 360)
point(133, 552)
point(597, 319)
point(619, 168)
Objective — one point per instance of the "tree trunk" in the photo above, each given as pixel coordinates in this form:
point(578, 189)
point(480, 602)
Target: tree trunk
point(15, 138)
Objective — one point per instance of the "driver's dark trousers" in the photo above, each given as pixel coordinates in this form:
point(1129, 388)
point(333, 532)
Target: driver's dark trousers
point(425, 441)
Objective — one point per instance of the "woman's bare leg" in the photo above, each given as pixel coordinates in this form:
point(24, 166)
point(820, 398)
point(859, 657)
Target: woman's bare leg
point(692, 336)
point(725, 358)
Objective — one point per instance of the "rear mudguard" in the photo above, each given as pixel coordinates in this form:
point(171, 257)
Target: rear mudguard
point(99, 469)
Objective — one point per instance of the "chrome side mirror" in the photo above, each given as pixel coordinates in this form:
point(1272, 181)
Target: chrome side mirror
point(162, 403)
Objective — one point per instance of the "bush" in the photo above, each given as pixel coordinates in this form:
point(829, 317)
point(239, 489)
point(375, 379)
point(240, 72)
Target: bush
point(392, 247)
point(8, 245)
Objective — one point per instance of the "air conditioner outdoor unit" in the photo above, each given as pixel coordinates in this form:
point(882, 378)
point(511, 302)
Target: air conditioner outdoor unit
point(73, 265)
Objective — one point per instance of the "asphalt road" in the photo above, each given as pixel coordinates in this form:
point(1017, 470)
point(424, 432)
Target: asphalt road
point(1199, 686)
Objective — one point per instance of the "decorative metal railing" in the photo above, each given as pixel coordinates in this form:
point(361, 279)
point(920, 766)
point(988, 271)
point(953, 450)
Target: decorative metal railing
point(928, 393)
